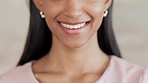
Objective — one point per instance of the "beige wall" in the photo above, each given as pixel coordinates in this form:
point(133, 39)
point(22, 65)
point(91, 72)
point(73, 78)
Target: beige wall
point(130, 25)
point(131, 28)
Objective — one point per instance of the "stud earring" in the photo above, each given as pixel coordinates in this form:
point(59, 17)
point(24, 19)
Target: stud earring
point(105, 13)
point(42, 14)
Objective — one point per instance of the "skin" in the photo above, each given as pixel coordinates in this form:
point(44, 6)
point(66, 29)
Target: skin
point(73, 58)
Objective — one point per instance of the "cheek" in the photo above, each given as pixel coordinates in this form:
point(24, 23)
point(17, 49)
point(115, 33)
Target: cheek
point(52, 25)
point(96, 8)
point(96, 13)
point(51, 12)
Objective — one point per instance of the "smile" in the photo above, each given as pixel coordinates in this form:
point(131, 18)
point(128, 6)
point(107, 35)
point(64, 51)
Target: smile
point(77, 26)
point(73, 26)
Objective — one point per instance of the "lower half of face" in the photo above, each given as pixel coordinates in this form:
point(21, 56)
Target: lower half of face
point(74, 36)
point(74, 31)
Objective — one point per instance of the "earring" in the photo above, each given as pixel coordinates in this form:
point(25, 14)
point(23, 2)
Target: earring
point(105, 13)
point(42, 14)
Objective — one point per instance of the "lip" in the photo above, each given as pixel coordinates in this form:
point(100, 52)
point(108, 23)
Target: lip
point(72, 23)
point(73, 31)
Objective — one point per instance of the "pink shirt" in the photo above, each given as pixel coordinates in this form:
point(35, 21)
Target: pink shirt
point(118, 71)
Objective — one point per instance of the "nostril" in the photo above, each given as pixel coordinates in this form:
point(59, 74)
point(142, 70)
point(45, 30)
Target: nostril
point(73, 12)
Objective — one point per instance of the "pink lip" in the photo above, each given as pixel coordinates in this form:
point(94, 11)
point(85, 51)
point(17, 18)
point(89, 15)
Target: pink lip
point(73, 31)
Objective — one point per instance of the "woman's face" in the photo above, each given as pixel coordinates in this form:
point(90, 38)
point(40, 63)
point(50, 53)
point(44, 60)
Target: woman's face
point(73, 22)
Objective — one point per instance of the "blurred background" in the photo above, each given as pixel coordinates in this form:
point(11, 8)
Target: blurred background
point(130, 19)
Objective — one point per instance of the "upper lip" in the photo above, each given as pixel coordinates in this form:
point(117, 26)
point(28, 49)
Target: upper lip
point(73, 23)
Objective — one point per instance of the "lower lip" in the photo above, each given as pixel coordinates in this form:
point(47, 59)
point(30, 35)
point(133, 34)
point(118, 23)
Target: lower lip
point(73, 31)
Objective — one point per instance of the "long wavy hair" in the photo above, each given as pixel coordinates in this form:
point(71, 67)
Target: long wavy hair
point(39, 37)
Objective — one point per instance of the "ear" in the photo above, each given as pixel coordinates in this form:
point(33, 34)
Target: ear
point(107, 3)
point(38, 4)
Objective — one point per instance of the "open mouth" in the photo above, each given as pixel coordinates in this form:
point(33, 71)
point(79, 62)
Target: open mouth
point(74, 26)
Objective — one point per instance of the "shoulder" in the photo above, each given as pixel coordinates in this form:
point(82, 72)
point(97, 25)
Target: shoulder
point(17, 75)
point(145, 76)
point(127, 72)
point(125, 65)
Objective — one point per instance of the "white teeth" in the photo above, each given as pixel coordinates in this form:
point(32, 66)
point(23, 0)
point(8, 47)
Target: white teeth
point(77, 26)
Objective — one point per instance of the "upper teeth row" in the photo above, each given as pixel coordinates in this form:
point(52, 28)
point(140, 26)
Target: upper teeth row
point(73, 26)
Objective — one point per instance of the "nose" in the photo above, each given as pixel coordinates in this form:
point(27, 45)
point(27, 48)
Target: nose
point(73, 9)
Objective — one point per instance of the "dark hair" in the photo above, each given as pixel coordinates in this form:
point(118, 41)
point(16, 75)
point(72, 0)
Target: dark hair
point(39, 37)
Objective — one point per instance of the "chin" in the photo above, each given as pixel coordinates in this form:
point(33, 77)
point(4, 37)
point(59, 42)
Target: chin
point(74, 45)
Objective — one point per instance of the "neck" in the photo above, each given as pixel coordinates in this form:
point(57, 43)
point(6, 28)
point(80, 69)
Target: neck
point(86, 59)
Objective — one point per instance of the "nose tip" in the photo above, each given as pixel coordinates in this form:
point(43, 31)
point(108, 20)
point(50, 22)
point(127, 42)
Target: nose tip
point(73, 9)
point(73, 13)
